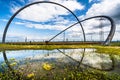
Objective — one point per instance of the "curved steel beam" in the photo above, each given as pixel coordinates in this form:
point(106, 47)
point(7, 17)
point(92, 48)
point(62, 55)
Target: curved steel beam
point(110, 36)
point(112, 30)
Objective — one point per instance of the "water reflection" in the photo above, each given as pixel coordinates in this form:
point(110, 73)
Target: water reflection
point(85, 58)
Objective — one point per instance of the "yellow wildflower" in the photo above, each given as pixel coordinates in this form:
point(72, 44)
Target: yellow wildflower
point(47, 66)
point(30, 75)
point(64, 79)
point(22, 68)
point(13, 64)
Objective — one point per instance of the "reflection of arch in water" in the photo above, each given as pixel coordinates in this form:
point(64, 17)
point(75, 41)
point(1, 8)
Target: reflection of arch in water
point(110, 35)
point(86, 65)
point(9, 22)
point(79, 62)
point(104, 69)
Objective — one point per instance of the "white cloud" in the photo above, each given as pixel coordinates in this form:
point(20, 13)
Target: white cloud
point(42, 13)
point(105, 7)
point(5, 20)
point(19, 23)
point(45, 12)
point(59, 27)
point(38, 38)
point(75, 34)
point(57, 24)
point(71, 4)
point(45, 26)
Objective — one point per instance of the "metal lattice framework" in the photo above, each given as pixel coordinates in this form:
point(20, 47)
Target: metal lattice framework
point(106, 42)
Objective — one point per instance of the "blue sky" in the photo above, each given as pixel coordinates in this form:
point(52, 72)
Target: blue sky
point(43, 21)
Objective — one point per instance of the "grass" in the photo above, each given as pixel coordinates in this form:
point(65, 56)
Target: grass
point(54, 72)
point(100, 49)
point(115, 43)
point(17, 47)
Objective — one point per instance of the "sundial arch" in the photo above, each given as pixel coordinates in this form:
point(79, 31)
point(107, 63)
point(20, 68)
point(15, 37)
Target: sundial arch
point(10, 20)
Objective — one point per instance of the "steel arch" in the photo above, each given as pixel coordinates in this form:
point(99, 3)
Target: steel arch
point(7, 26)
